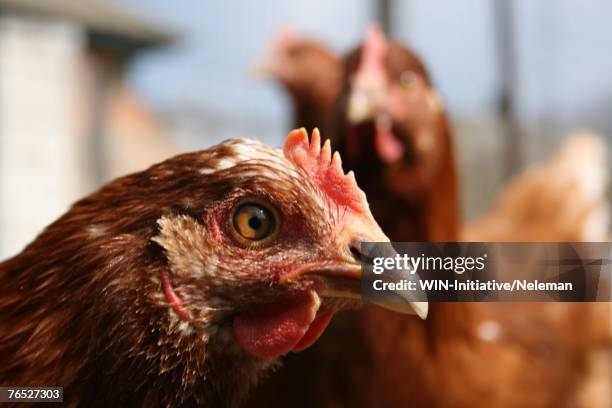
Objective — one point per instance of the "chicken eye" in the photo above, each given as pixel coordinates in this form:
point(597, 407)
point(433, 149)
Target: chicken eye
point(408, 78)
point(253, 222)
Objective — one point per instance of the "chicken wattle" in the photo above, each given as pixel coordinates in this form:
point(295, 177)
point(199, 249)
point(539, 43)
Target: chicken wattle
point(274, 329)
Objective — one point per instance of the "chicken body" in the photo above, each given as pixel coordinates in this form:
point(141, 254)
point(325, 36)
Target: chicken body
point(562, 199)
point(183, 284)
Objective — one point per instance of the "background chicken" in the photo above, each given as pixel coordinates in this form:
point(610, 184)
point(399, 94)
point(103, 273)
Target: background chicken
point(411, 174)
point(394, 133)
point(509, 355)
point(310, 73)
point(182, 284)
point(562, 199)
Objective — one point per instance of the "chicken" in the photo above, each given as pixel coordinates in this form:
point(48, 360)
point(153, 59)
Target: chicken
point(184, 283)
point(464, 354)
point(562, 199)
point(310, 73)
point(395, 135)
point(387, 122)
point(559, 200)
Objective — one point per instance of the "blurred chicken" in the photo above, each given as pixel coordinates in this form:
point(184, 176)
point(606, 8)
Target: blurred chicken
point(394, 133)
point(562, 200)
point(385, 119)
point(559, 200)
point(310, 73)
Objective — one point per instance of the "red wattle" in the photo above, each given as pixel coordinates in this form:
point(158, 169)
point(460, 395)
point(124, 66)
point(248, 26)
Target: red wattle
point(316, 329)
point(275, 329)
point(388, 147)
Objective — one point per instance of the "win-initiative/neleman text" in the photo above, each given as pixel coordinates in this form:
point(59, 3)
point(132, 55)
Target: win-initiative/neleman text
point(472, 285)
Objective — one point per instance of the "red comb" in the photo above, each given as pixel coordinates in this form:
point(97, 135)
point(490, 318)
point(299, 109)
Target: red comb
point(324, 168)
point(282, 40)
point(371, 68)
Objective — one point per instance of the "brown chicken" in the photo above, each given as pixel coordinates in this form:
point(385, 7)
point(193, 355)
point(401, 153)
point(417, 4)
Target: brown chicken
point(396, 137)
point(562, 199)
point(184, 283)
point(387, 122)
point(394, 133)
point(310, 73)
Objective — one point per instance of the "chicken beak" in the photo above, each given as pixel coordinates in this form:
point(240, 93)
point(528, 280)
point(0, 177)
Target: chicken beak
point(343, 279)
point(363, 104)
point(264, 69)
point(404, 301)
point(365, 229)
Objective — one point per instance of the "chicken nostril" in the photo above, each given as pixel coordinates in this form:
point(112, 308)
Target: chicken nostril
point(357, 254)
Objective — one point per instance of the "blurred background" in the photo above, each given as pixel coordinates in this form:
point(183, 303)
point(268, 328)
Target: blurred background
point(90, 90)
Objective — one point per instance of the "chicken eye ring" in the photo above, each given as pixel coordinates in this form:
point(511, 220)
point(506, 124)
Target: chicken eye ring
point(253, 222)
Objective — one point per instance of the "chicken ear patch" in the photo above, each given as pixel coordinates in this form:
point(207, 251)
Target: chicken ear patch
point(324, 169)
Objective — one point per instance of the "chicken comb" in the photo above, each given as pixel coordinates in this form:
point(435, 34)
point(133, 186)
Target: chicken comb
point(324, 168)
point(282, 40)
point(372, 64)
